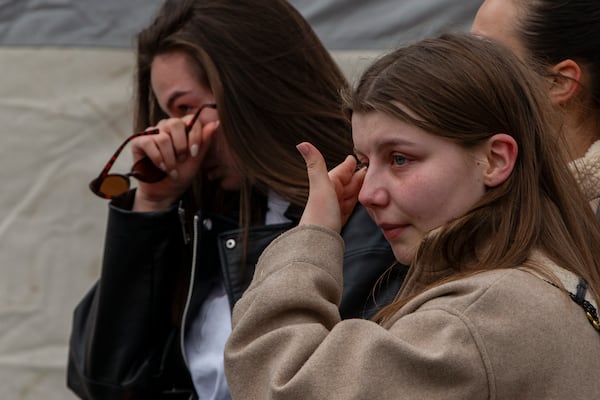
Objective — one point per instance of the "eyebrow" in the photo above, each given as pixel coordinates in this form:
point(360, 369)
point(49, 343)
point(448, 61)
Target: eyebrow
point(173, 97)
point(392, 142)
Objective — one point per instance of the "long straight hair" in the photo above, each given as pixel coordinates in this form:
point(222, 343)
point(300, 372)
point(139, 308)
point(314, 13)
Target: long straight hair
point(274, 82)
point(466, 89)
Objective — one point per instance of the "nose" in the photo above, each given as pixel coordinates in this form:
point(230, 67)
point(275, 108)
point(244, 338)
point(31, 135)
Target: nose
point(373, 193)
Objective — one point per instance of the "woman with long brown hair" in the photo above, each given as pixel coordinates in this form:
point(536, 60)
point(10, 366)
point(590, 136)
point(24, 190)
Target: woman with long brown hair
point(464, 174)
point(559, 39)
point(213, 190)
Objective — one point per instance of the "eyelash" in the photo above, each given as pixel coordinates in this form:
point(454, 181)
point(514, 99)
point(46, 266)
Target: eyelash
point(360, 164)
point(184, 109)
point(395, 158)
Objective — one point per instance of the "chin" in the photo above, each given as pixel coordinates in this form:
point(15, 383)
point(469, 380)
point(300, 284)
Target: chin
point(403, 255)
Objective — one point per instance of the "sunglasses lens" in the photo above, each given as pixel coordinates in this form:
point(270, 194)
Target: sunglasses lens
point(112, 185)
point(144, 170)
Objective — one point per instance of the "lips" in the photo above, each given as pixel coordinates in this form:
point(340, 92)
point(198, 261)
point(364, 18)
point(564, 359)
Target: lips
point(392, 231)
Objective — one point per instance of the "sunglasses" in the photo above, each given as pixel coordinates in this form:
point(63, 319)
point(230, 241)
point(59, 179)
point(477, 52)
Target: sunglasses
point(109, 186)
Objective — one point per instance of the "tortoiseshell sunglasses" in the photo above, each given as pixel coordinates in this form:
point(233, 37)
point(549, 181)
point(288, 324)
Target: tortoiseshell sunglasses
point(109, 186)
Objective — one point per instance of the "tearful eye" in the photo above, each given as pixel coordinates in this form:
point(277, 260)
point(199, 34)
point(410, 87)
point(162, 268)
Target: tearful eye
point(184, 109)
point(360, 165)
point(399, 160)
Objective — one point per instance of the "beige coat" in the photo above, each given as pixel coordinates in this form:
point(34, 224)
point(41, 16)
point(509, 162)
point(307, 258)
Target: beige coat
point(504, 334)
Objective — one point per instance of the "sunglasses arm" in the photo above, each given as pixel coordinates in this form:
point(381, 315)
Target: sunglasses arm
point(95, 184)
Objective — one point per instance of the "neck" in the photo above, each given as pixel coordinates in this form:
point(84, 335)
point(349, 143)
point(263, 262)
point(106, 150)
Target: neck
point(581, 130)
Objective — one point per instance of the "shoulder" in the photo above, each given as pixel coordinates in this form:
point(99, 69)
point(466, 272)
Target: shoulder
point(498, 304)
point(502, 305)
point(493, 291)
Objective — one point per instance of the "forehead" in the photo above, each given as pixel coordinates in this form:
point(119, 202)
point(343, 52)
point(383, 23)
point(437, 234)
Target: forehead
point(173, 76)
point(497, 19)
point(375, 131)
point(170, 67)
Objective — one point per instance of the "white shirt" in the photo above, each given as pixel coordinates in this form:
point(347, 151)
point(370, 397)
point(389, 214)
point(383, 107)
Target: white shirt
point(205, 342)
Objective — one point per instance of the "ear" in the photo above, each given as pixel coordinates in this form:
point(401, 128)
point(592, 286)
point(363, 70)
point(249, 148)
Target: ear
point(566, 78)
point(501, 155)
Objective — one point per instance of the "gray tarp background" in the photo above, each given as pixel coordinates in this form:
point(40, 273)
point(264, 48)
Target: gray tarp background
point(65, 90)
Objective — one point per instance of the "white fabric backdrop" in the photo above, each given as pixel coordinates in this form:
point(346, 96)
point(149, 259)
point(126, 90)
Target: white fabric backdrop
point(63, 112)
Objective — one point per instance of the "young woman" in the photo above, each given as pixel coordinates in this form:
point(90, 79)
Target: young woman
point(181, 248)
point(463, 173)
point(560, 39)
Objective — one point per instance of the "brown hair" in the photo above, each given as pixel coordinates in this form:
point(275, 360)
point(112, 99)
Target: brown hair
point(466, 89)
point(557, 30)
point(274, 83)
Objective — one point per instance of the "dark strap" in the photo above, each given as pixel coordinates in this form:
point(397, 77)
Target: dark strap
point(579, 299)
point(590, 310)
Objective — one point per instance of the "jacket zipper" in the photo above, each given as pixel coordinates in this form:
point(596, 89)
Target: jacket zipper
point(189, 294)
point(181, 213)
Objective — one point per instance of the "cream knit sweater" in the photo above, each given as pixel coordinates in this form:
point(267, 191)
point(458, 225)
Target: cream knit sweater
point(587, 172)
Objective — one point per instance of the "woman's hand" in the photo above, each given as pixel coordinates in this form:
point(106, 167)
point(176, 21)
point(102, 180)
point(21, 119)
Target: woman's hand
point(179, 154)
point(332, 195)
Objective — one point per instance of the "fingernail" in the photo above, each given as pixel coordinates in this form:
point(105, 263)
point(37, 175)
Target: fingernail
point(174, 174)
point(303, 149)
point(163, 167)
point(194, 150)
point(217, 123)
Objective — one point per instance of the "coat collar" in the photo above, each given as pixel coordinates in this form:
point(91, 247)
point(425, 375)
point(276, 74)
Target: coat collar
point(587, 172)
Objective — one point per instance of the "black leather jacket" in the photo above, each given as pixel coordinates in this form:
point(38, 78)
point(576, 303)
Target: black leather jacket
point(126, 340)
